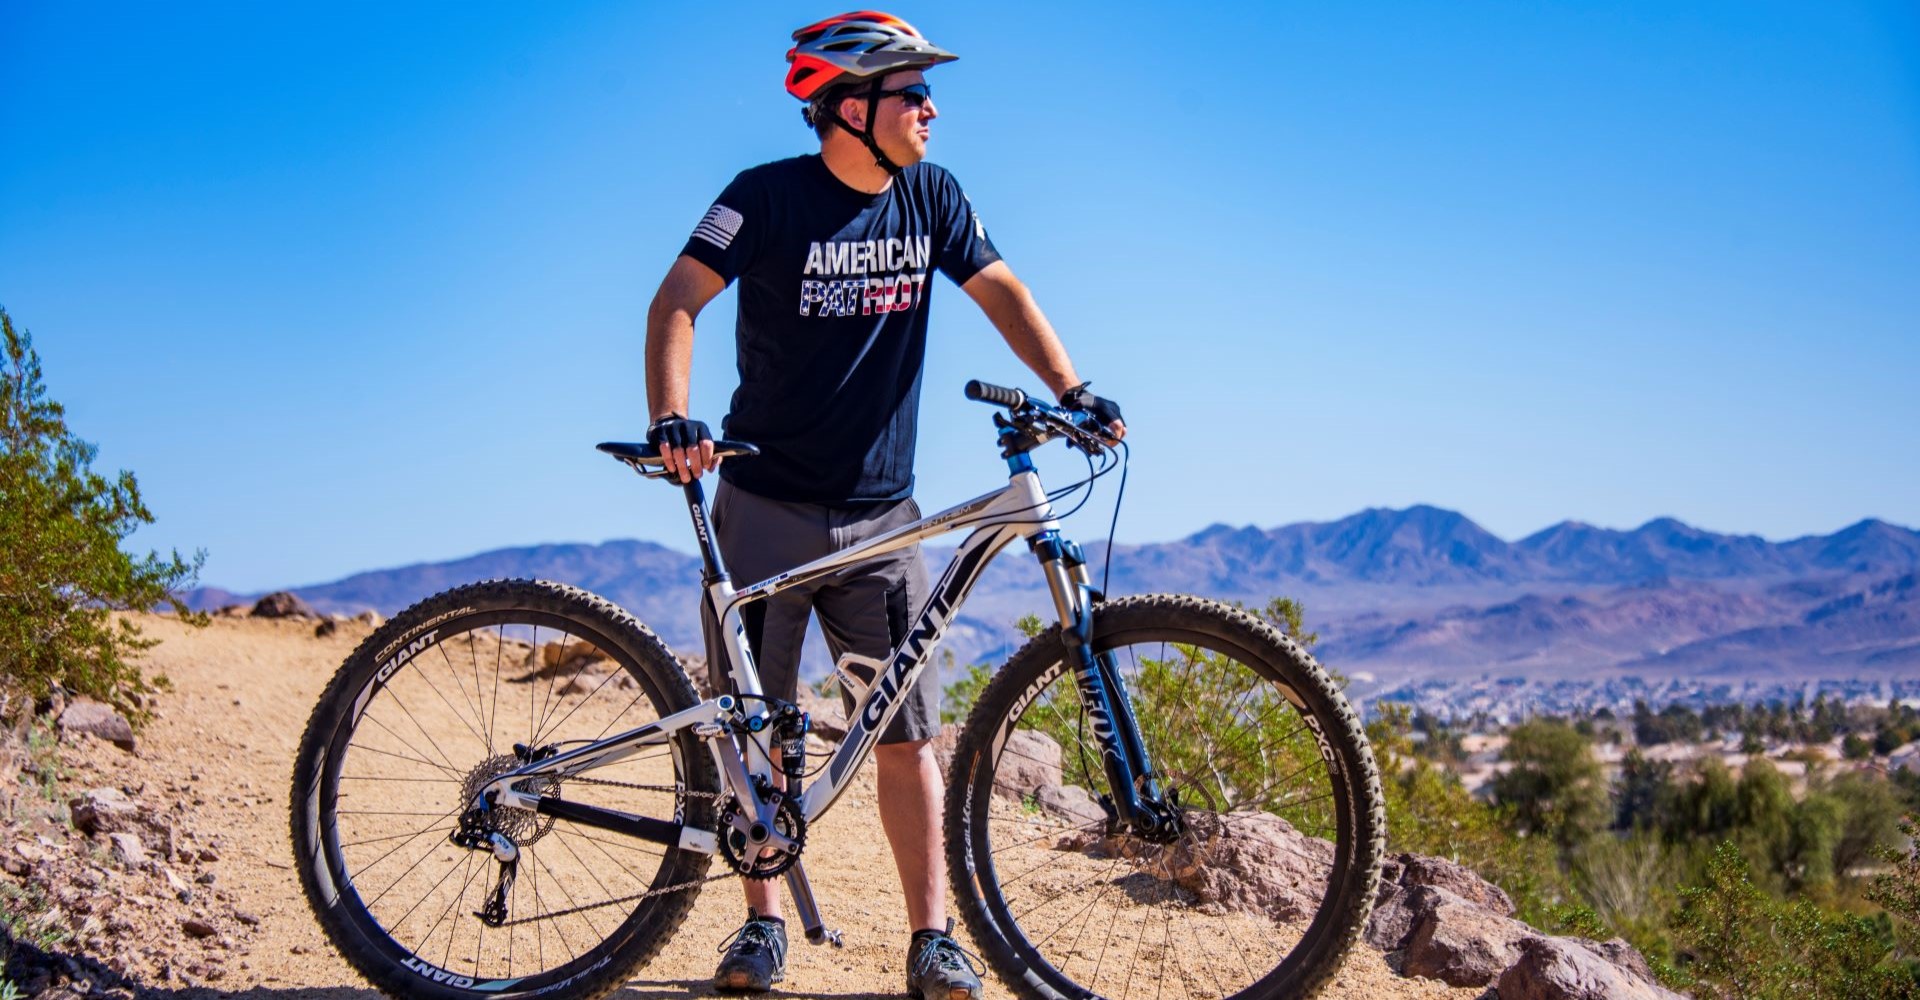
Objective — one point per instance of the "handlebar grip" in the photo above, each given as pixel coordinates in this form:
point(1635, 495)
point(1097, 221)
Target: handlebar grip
point(986, 392)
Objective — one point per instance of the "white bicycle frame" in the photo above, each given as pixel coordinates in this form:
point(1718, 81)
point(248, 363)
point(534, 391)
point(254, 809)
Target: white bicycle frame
point(1018, 510)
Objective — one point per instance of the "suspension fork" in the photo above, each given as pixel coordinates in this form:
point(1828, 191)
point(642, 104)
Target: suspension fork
point(1137, 797)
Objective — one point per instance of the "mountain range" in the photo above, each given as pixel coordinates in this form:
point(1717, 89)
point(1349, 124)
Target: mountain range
point(1396, 593)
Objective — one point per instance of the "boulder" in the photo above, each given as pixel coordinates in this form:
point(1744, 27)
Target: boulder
point(1571, 969)
point(127, 849)
point(1029, 762)
point(370, 619)
point(282, 604)
point(327, 627)
point(84, 715)
point(1393, 914)
point(569, 655)
point(1458, 942)
point(1071, 803)
point(104, 810)
point(1248, 862)
point(1621, 955)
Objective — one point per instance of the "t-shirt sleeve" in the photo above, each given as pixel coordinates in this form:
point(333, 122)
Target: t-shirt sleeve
point(964, 246)
point(728, 236)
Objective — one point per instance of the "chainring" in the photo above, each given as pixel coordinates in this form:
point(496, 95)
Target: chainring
point(791, 824)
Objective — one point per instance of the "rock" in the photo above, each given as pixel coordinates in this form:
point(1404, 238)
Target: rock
point(825, 716)
point(84, 715)
point(326, 628)
point(370, 619)
point(197, 928)
point(104, 810)
point(944, 743)
point(1029, 761)
point(282, 604)
point(174, 881)
point(1393, 915)
point(247, 918)
point(1457, 942)
point(1247, 862)
point(1622, 956)
point(1570, 969)
point(127, 849)
point(570, 654)
point(204, 878)
point(1072, 803)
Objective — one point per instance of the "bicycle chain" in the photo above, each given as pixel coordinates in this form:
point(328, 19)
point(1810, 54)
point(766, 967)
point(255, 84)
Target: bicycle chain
point(637, 897)
point(676, 789)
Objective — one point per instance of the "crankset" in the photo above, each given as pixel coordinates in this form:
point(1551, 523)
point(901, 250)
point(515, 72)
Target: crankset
point(747, 846)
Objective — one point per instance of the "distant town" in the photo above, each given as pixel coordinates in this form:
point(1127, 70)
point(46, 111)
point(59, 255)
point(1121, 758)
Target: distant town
point(1497, 701)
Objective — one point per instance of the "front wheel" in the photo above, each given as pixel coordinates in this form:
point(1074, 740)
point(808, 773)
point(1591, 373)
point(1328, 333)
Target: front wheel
point(1270, 883)
point(455, 691)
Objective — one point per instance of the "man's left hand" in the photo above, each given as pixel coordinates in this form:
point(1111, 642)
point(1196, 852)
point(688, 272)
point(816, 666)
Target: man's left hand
point(1106, 411)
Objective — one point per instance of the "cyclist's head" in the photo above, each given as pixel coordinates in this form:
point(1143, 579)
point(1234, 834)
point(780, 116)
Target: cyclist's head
point(851, 69)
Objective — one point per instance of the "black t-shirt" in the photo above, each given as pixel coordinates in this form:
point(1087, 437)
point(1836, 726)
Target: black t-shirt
point(832, 330)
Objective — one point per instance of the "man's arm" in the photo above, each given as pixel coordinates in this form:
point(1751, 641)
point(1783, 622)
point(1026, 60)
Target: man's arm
point(687, 288)
point(1008, 304)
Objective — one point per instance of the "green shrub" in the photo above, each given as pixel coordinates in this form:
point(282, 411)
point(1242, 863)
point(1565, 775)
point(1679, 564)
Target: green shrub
point(62, 572)
point(1744, 944)
point(1555, 788)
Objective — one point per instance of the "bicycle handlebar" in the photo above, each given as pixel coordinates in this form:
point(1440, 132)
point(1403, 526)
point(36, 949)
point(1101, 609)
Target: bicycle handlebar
point(987, 392)
point(1042, 421)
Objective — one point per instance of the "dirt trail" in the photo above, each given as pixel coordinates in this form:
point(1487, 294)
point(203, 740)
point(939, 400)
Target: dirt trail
point(243, 689)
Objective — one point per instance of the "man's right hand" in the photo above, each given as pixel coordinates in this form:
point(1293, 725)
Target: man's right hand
point(685, 445)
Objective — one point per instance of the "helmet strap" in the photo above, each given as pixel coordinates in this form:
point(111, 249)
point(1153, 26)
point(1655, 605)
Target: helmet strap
point(866, 135)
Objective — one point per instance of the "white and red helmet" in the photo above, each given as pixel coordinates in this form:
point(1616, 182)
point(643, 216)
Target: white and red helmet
point(862, 45)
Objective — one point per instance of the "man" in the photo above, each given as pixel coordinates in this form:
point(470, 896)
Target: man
point(833, 253)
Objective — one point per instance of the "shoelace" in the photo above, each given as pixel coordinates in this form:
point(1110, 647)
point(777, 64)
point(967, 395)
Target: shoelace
point(948, 953)
point(752, 935)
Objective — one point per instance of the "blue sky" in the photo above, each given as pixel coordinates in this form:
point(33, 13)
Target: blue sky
point(356, 285)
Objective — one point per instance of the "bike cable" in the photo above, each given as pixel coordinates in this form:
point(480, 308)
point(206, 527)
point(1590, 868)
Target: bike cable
point(1119, 497)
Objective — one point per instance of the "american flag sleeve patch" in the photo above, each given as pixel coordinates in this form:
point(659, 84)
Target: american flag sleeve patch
point(720, 226)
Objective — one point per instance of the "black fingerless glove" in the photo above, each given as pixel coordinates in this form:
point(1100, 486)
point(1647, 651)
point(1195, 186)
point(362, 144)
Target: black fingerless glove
point(1078, 398)
point(676, 431)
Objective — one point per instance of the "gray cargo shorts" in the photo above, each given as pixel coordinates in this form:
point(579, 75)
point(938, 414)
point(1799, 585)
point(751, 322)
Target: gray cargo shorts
point(863, 609)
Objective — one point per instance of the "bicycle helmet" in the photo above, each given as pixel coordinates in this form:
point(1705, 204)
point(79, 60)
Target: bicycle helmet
point(862, 46)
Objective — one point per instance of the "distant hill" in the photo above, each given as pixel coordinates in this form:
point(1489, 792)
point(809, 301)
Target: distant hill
point(1400, 592)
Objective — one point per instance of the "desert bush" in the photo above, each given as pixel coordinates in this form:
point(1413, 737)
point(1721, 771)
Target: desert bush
point(1555, 788)
point(1739, 942)
point(1430, 812)
point(62, 572)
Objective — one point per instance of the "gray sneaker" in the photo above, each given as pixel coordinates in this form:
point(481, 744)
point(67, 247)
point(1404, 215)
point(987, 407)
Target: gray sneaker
point(939, 969)
point(756, 956)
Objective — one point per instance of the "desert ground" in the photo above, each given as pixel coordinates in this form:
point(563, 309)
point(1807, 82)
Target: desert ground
point(222, 746)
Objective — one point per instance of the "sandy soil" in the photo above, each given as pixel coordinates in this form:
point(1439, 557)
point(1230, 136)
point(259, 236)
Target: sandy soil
point(243, 691)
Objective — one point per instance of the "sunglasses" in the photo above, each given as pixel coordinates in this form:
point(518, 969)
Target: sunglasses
point(913, 95)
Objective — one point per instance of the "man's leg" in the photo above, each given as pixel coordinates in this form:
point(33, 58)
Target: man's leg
point(910, 791)
point(758, 538)
point(866, 610)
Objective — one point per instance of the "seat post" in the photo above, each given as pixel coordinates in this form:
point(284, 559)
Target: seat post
point(712, 570)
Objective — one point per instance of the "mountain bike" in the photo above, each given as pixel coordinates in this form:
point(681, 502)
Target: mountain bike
point(512, 789)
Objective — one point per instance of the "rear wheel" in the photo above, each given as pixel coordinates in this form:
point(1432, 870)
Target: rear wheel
point(1270, 883)
point(453, 692)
